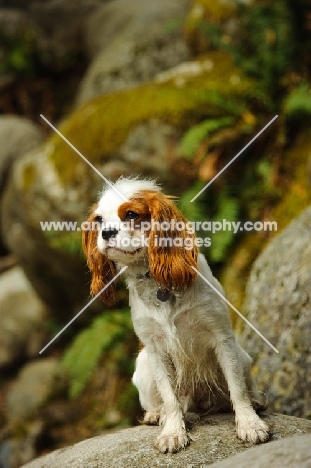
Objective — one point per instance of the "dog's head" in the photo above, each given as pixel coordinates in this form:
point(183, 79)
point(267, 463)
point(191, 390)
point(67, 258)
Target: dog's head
point(134, 222)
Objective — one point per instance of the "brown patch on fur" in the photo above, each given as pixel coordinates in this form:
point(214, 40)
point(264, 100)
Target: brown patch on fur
point(170, 265)
point(102, 269)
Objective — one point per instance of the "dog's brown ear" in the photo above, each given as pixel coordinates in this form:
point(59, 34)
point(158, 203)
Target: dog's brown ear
point(172, 252)
point(101, 267)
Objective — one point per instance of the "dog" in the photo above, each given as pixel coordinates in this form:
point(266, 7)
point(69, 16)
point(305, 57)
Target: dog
point(190, 361)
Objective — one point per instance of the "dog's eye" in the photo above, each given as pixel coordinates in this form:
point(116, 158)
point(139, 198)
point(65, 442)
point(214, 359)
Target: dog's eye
point(98, 219)
point(131, 215)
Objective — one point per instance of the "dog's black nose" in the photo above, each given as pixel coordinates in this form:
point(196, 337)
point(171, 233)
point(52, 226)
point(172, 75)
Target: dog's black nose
point(109, 233)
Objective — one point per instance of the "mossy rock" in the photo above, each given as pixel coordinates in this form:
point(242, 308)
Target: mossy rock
point(297, 193)
point(133, 132)
point(179, 98)
point(236, 272)
point(214, 439)
point(295, 197)
point(129, 43)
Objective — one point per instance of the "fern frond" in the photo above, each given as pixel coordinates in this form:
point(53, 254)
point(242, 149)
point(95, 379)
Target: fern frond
point(196, 134)
point(195, 211)
point(84, 354)
point(227, 209)
point(230, 134)
point(298, 104)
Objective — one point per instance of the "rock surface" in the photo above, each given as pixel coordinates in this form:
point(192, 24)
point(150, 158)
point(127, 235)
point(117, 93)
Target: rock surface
point(131, 42)
point(278, 303)
point(48, 269)
point(294, 452)
point(22, 318)
point(214, 439)
point(18, 450)
point(37, 382)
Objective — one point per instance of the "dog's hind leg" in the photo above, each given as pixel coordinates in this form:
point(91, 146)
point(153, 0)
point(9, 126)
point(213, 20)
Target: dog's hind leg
point(258, 400)
point(248, 424)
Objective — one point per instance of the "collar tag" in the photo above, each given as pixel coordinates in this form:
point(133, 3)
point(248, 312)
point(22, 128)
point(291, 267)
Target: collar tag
point(163, 295)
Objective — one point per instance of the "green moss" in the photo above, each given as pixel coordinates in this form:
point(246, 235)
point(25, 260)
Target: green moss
point(29, 175)
point(218, 10)
point(98, 128)
point(236, 272)
point(297, 193)
point(69, 241)
point(107, 335)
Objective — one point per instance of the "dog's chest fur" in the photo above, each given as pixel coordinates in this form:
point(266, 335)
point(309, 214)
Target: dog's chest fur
point(169, 327)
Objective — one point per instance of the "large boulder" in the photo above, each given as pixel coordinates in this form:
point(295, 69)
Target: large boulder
point(131, 132)
point(22, 318)
point(214, 439)
point(292, 199)
point(20, 449)
point(130, 42)
point(17, 135)
point(37, 382)
point(292, 452)
point(278, 303)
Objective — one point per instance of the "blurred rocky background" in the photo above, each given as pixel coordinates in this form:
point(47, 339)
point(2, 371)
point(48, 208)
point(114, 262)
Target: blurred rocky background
point(170, 89)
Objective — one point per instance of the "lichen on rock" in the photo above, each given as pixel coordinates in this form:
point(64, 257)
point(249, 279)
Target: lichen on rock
point(278, 303)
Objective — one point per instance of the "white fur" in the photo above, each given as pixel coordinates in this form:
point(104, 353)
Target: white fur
point(191, 360)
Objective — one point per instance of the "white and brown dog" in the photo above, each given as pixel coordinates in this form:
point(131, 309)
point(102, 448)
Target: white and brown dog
point(191, 361)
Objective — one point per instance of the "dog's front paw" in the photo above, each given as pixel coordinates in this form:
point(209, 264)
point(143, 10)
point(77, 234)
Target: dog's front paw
point(253, 430)
point(172, 443)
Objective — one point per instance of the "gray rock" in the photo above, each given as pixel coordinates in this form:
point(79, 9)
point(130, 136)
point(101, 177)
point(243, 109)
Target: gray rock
point(22, 318)
point(294, 452)
point(17, 135)
point(278, 303)
point(131, 42)
point(214, 439)
point(150, 148)
point(36, 383)
point(54, 265)
point(15, 451)
point(58, 25)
